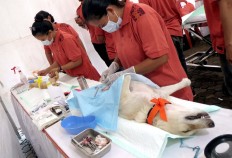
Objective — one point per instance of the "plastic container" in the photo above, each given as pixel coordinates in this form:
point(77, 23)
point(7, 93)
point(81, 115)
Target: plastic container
point(90, 132)
point(74, 124)
point(23, 77)
point(82, 82)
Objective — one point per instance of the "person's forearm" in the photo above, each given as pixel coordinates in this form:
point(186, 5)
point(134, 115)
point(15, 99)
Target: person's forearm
point(54, 65)
point(72, 64)
point(225, 7)
point(149, 65)
point(49, 57)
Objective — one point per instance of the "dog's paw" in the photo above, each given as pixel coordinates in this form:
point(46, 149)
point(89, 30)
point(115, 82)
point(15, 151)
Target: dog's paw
point(186, 81)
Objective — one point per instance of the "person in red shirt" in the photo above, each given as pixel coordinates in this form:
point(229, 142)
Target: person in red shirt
point(169, 11)
point(68, 53)
point(110, 47)
point(218, 14)
point(43, 15)
point(142, 42)
point(98, 41)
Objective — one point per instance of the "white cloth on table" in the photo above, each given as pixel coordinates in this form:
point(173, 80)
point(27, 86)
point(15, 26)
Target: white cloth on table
point(40, 142)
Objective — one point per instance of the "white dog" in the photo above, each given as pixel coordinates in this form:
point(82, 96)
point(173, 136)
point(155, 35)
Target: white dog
point(135, 105)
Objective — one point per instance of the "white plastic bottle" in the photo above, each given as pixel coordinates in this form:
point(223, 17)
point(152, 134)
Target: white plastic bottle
point(22, 77)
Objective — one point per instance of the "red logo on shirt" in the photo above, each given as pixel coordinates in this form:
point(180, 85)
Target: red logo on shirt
point(136, 12)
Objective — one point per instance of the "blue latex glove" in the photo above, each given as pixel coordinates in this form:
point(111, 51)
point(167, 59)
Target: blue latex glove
point(111, 78)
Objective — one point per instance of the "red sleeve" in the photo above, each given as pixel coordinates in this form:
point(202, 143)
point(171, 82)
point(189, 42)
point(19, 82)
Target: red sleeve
point(151, 35)
point(72, 49)
point(99, 32)
point(47, 49)
point(79, 12)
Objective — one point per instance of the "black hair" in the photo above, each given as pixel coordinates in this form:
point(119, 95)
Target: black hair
point(95, 9)
point(41, 28)
point(41, 15)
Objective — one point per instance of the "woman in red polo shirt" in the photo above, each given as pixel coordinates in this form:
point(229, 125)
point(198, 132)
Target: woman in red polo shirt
point(170, 13)
point(143, 43)
point(43, 15)
point(68, 53)
point(98, 40)
point(110, 47)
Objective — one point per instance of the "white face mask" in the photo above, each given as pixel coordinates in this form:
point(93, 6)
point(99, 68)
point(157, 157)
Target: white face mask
point(47, 42)
point(112, 26)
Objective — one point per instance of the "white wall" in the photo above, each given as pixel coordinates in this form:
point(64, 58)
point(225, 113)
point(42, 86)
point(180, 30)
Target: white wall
point(19, 48)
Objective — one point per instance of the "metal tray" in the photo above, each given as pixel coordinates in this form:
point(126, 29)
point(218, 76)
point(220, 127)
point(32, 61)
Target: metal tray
point(87, 152)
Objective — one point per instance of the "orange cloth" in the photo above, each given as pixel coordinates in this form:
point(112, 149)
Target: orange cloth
point(169, 11)
point(143, 35)
point(67, 48)
point(158, 107)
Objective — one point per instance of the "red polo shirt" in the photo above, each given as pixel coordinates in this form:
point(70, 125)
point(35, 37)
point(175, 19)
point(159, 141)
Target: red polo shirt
point(110, 47)
point(143, 35)
point(168, 10)
point(67, 48)
point(63, 27)
point(91, 28)
point(215, 25)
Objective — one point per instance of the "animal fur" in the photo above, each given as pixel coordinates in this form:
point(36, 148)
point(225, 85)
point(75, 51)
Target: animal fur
point(135, 105)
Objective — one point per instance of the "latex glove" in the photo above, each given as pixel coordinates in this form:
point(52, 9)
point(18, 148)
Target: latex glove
point(111, 78)
point(114, 66)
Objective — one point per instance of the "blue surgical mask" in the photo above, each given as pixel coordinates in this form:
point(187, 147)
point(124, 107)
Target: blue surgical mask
point(112, 26)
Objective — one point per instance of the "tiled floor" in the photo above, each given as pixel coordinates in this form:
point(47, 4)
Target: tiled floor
point(207, 83)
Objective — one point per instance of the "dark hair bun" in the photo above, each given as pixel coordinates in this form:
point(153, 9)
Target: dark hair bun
point(39, 18)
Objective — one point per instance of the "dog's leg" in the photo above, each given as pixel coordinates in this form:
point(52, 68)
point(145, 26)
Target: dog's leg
point(141, 116)
point(126, 86)
point(168, 90)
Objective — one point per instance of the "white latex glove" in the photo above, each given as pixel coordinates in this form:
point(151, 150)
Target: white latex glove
point(114, 66)
point(111, 78)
